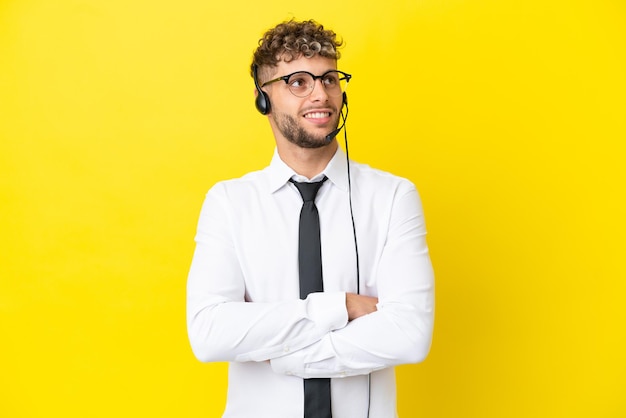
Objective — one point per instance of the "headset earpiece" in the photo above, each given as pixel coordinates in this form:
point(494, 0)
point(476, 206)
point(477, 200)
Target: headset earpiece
point(262, 101)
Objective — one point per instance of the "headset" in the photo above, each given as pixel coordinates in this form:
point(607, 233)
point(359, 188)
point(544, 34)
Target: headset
point(263, 105)
point(262, 101)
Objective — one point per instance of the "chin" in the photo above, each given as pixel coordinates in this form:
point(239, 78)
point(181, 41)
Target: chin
point(305, 140)
point(310, 144)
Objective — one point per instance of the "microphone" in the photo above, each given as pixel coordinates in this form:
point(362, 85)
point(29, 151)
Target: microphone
point(334, 133)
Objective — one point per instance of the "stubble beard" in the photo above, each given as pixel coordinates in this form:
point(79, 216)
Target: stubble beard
point(296, 134)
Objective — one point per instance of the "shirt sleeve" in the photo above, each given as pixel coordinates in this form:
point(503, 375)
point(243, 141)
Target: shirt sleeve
point(400, 331)
point(221, 324)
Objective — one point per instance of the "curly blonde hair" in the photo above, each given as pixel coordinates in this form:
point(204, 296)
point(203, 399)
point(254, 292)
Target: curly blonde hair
point(291, 40)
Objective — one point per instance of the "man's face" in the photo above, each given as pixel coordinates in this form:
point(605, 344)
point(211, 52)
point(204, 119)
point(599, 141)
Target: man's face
point(304, 121)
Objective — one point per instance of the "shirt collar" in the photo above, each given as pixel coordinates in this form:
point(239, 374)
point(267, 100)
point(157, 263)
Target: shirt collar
point(336, 171)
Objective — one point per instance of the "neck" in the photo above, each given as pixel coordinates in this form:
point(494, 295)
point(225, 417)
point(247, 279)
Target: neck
point(307, 162)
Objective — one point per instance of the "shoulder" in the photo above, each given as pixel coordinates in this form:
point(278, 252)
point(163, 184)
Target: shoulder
point(230, 196)
point(365, 176)
point(246, 183)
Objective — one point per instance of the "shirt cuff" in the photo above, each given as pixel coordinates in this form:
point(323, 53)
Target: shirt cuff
point(327, 310)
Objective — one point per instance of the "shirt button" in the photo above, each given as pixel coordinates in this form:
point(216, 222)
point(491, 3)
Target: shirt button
point(285, 349)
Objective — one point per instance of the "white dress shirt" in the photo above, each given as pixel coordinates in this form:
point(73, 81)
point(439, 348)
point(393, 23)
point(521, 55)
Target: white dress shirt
point(243, 302)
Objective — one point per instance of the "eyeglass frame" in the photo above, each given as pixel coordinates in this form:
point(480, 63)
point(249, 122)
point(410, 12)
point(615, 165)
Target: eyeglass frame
point(285, 78)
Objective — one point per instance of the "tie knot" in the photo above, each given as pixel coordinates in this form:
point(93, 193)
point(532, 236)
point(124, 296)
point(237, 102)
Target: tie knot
point(308, 191)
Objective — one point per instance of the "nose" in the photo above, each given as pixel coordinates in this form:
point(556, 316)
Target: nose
point(319, 92)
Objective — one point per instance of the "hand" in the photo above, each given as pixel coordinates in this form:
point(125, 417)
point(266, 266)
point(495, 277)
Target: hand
point(359, 305)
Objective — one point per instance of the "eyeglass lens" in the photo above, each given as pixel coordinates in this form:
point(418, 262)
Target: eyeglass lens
point(302, 84)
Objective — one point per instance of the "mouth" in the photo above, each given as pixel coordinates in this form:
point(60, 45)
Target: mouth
point(317, 115)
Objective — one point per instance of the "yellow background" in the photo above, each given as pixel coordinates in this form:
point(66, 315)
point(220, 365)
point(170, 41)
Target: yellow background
point(116, 116)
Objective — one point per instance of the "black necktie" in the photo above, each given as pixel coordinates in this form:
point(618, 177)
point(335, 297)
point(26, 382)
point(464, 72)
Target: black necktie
point(316, 391)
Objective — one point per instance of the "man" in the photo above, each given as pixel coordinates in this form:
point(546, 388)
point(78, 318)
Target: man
point(245, 300)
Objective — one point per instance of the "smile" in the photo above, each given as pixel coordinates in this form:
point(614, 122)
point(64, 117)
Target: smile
point(317, 115)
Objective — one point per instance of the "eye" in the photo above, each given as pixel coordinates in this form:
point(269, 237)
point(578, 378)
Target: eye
point(330, 79)
point(298, 81)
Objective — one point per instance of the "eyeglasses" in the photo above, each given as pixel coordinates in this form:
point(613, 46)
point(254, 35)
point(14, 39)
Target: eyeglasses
point(302, 83)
